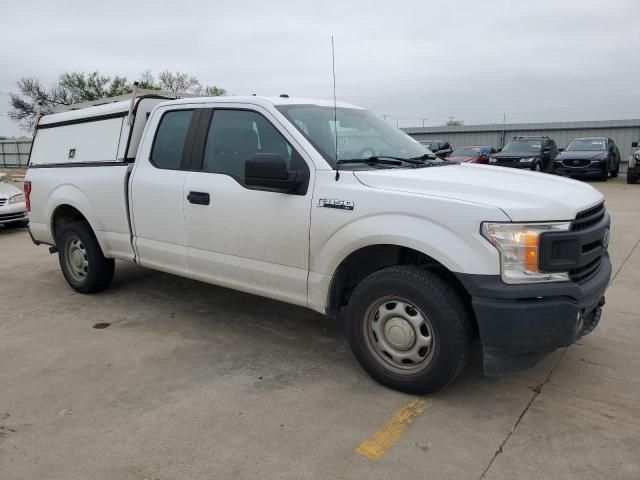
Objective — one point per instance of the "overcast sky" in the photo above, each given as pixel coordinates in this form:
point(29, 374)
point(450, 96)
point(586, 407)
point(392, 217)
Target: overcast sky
point(534, 60)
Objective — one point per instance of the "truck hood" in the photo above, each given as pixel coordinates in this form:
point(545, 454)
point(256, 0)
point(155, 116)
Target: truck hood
point(523, 195)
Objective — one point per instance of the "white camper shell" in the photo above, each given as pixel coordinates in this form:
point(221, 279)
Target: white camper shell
point(95, 134)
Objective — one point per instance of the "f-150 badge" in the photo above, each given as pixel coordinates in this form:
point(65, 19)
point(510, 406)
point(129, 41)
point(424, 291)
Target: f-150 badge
point(335, 203)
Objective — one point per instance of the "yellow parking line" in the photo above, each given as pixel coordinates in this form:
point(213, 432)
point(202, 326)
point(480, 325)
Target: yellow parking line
point(388, 434)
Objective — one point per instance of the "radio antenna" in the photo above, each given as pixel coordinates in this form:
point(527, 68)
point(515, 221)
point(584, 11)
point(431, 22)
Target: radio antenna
point(335, 108)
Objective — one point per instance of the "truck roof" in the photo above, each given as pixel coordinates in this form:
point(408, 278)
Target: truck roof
point(258, 100)
point(122, 107)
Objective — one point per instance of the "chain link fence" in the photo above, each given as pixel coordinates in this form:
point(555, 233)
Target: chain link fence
point(14, 153)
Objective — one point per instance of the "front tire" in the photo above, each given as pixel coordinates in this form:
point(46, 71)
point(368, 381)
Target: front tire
point(632, 176)
point(81, 259)
point(409, 329)
point(615, 171)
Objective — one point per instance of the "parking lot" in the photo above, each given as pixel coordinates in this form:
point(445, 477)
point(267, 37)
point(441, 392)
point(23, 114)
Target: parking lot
point(188, 380)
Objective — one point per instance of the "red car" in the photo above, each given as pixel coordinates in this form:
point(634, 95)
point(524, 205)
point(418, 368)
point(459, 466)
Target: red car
point(472, 154)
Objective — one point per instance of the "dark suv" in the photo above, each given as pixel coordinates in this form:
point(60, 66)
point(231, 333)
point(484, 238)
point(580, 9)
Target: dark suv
point(594, 157)
point(441, 148)
point(533, 153)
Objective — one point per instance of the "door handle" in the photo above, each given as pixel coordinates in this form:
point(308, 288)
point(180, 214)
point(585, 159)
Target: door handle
point(199, 198)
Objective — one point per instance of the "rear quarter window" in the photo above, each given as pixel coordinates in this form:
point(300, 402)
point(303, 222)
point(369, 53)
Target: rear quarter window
point(170, 139)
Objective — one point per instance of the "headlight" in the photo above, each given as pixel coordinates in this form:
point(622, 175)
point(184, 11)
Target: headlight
point(519, 253)
point(19, 198)
point(637, 155)
point(527, 160)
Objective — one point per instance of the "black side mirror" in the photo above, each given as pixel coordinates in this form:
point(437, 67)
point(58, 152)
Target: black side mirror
point(634, 144)
point(269, 171)
point(561, 149)
point(499, 149)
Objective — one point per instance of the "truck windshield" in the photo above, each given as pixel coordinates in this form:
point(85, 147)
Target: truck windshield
point(523, 146)
point(361, 134)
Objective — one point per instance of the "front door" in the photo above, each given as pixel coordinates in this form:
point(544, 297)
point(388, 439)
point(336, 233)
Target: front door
point(244, 238)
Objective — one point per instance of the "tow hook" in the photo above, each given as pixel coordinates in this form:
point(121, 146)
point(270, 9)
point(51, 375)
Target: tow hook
point(53, 249)
point(601, 302)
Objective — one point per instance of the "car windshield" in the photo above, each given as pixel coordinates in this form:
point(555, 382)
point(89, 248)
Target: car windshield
point(467, 152)
point(360, 134)
point(523, 146)
point(587, 145)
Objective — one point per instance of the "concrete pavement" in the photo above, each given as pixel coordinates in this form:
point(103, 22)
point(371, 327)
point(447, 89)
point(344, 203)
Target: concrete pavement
point(194, 381)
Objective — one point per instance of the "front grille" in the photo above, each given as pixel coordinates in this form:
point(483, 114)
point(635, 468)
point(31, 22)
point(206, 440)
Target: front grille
point(583, 221)
point(587, 218)
point(586, 271)
point(11, 216)
point(576, 163)
point(3, 201)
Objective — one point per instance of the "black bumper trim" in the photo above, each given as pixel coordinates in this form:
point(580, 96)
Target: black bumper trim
point(520, 324)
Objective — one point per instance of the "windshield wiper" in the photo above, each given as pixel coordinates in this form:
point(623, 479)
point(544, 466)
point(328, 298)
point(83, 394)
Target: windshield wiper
point(374, 160)
point(428, 159)
point(427, 156)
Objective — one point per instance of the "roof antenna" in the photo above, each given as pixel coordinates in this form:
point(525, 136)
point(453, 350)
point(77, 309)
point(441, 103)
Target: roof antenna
point(335, 108)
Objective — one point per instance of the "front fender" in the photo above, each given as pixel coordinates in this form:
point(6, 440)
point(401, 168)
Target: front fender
point(465, 252)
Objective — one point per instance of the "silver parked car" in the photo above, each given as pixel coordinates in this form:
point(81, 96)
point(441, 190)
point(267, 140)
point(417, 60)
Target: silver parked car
point(13, 209)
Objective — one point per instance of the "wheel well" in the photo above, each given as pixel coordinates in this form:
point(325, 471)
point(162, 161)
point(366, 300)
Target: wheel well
point(65, 214)
point(363, 262)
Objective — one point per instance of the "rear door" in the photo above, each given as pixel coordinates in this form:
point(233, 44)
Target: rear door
point(156, 190)
point(245, 238)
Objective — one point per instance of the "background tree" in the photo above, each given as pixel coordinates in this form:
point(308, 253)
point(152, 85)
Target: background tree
point(454, 123)
point(76, 87)
point(177, 82)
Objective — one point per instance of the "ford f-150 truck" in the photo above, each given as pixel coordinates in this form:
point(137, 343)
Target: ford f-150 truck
point(418, 255)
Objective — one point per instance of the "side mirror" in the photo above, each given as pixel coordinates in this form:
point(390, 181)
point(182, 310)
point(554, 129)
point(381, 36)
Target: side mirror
point(561, 149)
point(499, 149)
point(269, 171)
point(634, 145)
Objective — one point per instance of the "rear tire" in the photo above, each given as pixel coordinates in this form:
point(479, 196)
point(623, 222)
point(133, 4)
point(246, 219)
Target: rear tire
point(81, 259)
point(408, 329)
point(632, 176)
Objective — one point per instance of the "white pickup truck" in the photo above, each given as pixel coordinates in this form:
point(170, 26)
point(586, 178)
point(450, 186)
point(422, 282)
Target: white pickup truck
point(328, 207)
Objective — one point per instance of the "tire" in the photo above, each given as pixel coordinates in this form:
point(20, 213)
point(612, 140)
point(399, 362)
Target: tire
point(537, 167)
point(390, 304)
point(81, 260)
point(605, 175)
point(615, 171)
point(632, 176)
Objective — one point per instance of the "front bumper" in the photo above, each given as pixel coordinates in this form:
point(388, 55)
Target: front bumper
point(521, 165)
point(13, 213)
point(520, 324)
